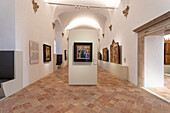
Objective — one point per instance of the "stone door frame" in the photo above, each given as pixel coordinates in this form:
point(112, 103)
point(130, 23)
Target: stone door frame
point(159, 25)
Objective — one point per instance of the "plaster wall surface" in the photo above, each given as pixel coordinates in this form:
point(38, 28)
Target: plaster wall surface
point(36, 27)
point(7, 25)
point(82, 73)
point(140, 12)
point(154, 61)
point(117, 70)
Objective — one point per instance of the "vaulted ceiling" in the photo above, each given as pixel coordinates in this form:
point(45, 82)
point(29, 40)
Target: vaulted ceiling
point(66, 14)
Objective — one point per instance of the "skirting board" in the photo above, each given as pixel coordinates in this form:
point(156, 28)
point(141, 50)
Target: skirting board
point(117, 70)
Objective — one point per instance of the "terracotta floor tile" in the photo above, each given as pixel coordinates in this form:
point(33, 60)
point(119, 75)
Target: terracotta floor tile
point(165, 91)
point(90, 105)
point(52, 94)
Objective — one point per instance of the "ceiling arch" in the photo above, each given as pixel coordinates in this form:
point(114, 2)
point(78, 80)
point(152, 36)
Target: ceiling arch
point(67, 14)
point(67, 18)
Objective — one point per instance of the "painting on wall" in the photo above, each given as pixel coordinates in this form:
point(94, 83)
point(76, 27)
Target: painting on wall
point(99, 56)
point(47, 53)
point(82, 52)
point(65, 55)
point(114, 53)
point(33, 52)
point(167, 53)
point(105, 54)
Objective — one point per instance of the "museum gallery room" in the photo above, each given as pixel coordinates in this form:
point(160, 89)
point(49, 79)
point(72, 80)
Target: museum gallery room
point(85, 56)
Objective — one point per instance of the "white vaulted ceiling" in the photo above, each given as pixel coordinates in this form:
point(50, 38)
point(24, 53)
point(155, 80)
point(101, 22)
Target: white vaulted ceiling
point(68, 15)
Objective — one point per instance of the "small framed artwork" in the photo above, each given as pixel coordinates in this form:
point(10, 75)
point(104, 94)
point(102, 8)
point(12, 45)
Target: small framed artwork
point(65, 55)
point(33, 52)
point(114, 53)
point(105, 54)
point(47, 53)
point(99, 56)
point(83, 52)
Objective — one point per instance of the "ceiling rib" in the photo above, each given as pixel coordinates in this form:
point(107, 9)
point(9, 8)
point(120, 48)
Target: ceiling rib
point(81, 6)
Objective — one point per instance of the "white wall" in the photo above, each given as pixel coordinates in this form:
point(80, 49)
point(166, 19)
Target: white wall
point(117, 70)
point(82, 73)
point(154, 61)
point(36, 27)
point(7, 25)
point(65, 47)
point(141, 12)
point(58, 37)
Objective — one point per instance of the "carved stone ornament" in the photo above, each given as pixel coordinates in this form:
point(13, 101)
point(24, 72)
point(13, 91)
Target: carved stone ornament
point(103, 35)
point(53, 24)
point(126, 11)
point(35, 6)
point(99, 40)
point(110, 27)
point(62, 34)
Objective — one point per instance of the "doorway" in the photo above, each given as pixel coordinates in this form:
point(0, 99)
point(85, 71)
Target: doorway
point(159, 25)
point(156, 80)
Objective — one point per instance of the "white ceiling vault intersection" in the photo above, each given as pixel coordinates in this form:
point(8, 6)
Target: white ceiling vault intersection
point(72, 17)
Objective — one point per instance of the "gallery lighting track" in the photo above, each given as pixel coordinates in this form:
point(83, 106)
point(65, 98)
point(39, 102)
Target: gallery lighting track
point(78, 6)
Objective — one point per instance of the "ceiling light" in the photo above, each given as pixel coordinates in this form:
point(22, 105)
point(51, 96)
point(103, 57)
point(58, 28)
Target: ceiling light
point(83, 21)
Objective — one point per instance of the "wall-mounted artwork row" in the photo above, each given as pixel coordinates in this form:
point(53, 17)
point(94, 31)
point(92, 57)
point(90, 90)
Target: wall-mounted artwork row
point(99, 56)
point(46, 53)
point(114, 52)
point(83, 52)
point(33, 52)
point(105, 54)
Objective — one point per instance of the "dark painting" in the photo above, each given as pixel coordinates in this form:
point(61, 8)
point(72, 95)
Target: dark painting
point(83, 52)
point(47, 53)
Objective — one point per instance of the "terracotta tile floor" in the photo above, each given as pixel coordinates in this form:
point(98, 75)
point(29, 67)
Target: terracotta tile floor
point(165, 91)
point(52, 94)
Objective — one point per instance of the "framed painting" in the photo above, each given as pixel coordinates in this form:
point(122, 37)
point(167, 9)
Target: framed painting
point(105, 54)
point(167, 53)
point(47, 53)
point(114, 53)
point(33, 52)
point(65, 55)
point(99, 56)
point(82, 52)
